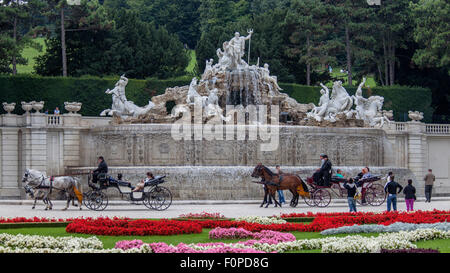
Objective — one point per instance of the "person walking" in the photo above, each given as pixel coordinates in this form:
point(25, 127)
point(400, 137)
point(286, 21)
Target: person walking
point(350, 186)
point(391, 189)
point(410, 195)
point(429, 181)
point(280, 192)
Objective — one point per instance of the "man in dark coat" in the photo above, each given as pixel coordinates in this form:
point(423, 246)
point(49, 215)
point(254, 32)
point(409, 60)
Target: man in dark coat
point(325, 171)
point(102, 168)
point(322, 176)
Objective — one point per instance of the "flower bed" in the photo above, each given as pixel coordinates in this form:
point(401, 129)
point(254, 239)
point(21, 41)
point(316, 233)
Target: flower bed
point(348, 244)
point(116, 227)
point(240, 233)
point(395, 227)
point(411, 250)
point(202, 215)
point(261, 220)
point(332, 214)
point(33, 220)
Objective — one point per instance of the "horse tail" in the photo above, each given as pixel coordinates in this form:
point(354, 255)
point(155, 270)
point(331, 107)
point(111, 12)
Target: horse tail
point(78, 190)
point(302, 188)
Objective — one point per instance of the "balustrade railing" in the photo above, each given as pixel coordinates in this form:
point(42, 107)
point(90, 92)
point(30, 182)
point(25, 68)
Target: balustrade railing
point(438, 129)
point(54, 120)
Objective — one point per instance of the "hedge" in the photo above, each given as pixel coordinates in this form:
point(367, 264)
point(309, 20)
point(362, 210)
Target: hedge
point(90, 91)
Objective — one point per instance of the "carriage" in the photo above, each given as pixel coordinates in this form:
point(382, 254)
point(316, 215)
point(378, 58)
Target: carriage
point(372, 192)
point(153, 196)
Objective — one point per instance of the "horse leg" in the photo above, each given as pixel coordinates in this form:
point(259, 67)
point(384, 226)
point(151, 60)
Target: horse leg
point(275, 199)
point(265, 198)
point(269, 199)
point(50, 203)
point(34, 204)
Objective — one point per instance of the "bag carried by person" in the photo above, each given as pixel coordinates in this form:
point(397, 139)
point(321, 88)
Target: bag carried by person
point(357, 194)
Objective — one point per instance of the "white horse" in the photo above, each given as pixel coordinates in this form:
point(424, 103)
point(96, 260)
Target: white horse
point(70, 186)
point(340, 100)
point(373, 113)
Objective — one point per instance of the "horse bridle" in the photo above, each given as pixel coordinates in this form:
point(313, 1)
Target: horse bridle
point(28, 174)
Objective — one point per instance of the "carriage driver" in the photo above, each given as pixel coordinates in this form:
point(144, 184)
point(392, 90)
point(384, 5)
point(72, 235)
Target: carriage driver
point(102, 168)
point(323, 174)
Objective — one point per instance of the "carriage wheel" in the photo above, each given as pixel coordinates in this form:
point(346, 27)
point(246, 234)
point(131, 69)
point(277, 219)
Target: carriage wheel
point(322, 198)
point(86, 198)
point(375, 195)
point(158, 198)
point(96, 200)
point(310, 201)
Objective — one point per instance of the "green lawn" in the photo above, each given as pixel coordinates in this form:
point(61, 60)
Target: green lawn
point(109, 241)
point(192, 62)
point(30, 53)
point(370, 81)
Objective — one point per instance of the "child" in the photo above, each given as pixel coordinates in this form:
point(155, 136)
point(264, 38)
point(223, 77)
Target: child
point(410, 195)
point(351, 192)
point(140, 185)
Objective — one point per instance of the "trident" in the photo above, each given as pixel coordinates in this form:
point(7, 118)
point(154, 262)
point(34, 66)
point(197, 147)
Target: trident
point(249, 44)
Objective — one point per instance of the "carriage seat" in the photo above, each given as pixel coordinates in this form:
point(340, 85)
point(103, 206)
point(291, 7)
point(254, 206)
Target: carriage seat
point(157, 180)
point(337, 179)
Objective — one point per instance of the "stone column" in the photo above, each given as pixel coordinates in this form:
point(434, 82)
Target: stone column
point(416, 149)
point(71, 147)
point(33, 150)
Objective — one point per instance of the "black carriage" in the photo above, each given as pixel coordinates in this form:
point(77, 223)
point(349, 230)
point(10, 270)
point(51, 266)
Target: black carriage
point(372, 192)
point(153, 196)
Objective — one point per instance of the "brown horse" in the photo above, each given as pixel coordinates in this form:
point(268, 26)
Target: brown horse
point(290, 182)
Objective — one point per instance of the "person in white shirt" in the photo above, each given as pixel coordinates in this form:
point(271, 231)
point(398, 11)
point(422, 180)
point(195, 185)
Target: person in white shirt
point(140, 186)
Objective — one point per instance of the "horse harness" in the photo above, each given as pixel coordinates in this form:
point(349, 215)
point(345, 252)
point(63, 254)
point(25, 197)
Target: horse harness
point(43, 186)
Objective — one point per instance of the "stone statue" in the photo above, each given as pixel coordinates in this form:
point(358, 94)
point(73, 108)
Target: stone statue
point(339, 103)
point(192, 94)
point(209, 70)
point(370, 110)
point(237, 44)
point(212, 108)
point(121, 107)
point(360, 101)
point(269, 80)
point(319, 111)
point(224, 57)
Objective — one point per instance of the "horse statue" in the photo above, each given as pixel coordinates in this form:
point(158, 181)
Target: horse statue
point(371, 109)
point(36, 180)
point(123, 108)
point(290, 182)
point(340, 100)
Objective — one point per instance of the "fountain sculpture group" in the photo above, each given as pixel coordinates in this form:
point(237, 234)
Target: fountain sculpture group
point(232, 81)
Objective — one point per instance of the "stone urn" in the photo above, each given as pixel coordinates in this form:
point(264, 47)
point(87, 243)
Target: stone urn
point(37, 105)
point(9, 107)
point(72, 107)
point(27, 107)
point(415, 116)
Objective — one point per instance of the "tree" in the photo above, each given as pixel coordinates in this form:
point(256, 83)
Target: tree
point(307, 22)
point(15, 36)
point(431, 32)
point(177, 16)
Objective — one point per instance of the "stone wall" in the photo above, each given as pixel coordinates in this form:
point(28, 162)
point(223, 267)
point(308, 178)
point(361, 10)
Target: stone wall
point(70, 142)
point(153, 145)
